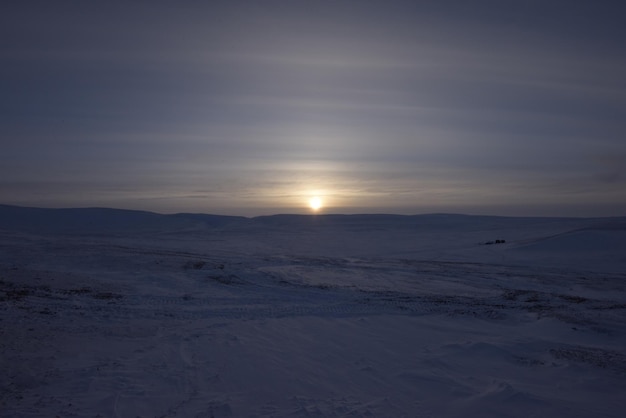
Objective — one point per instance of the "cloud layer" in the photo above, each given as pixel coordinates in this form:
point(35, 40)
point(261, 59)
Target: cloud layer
point(252, 108)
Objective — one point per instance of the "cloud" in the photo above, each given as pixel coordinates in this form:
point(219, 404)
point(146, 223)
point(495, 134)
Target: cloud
point(401, 106)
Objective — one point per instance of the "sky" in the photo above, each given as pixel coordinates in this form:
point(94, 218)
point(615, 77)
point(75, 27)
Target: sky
point(255, 107)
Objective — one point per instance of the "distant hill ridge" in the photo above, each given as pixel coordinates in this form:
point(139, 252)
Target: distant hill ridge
point(109, 220)
point(100, 220)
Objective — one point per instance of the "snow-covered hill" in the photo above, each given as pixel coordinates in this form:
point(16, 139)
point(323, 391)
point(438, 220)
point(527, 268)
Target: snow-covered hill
point(124, 314)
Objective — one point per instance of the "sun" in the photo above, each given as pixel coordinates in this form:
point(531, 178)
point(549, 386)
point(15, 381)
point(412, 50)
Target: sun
point(315, 203)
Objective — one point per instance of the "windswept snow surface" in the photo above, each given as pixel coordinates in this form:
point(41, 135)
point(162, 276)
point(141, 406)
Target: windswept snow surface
point(317, 316)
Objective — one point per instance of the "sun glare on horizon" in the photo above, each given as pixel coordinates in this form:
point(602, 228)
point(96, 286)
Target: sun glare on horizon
point(315, 203)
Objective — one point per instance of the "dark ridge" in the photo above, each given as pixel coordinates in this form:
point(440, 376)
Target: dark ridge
point(100, 220)
point(106, 221)
point(371, 220)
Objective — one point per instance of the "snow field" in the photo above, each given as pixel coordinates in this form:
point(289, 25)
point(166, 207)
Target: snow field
point(287, 321)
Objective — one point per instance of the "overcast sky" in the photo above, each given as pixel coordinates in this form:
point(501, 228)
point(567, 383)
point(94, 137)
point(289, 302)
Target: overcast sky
point(233, 107)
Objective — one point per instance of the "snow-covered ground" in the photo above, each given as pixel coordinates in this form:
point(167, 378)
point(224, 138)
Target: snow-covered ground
point(141, 315)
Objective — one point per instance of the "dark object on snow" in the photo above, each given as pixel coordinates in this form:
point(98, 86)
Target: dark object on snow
point(498, 241)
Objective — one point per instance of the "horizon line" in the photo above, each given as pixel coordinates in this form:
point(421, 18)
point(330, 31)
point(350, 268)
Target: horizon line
point(318, 214)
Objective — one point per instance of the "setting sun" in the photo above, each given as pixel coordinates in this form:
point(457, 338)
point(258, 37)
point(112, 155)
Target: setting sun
point(315, 203)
